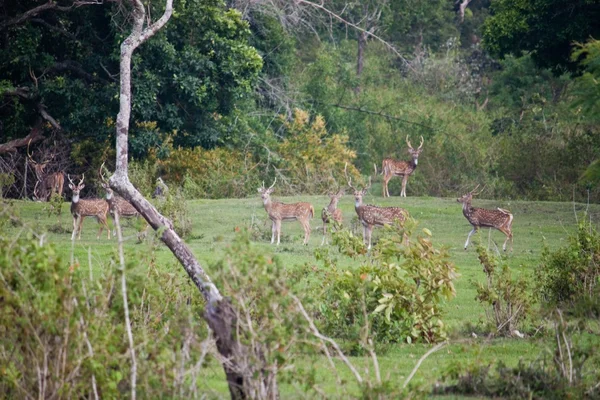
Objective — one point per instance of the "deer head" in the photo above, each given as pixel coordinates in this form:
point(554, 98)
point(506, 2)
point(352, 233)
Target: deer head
point(76, 188)
point(358, 193)
point(466, 198)
point(38, 167)
point(414, 152)
point(266, 192)
point(104, 183)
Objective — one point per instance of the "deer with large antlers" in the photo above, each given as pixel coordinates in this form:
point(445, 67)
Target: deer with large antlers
point(391, 168)
point(483, 218)
point(117, 204)
point(47, 183)
point(301, 212)
point(331, 213)
point(81, 208)
point(370, 215)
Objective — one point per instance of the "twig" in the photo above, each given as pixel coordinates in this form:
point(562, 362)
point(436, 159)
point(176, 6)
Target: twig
point(415, 369)
point(318, 335)
point(126, 306)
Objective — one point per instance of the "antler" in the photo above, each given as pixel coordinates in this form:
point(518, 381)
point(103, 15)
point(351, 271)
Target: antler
point(101, 175)
point(367, 188)
point(473, 191)
point(29, 154)
point(408, 142)
point(348, 179)
point(70, 180)
point(421, 145)
point(271, 187)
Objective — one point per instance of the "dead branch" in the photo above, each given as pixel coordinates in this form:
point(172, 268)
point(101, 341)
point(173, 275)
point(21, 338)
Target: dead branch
point(34, 136)
point(367, 32)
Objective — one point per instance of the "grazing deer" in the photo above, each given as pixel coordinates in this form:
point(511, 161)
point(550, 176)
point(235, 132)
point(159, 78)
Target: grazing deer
point(47, 184)
point(370, 216)
point(331, 212)
point(301, 212)
point(482, 218)
point(81, 208)
point(117, 204)
point(391, 168)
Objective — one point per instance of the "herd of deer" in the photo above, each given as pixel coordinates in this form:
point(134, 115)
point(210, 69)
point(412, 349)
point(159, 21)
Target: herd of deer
point(369, 215)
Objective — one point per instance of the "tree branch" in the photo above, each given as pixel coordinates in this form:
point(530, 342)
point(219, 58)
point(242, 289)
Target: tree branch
point(219, 313)
point(34, 136)
point(365, 31)
point(50, 5)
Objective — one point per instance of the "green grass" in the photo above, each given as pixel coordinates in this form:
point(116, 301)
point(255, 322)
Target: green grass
point(215, 223)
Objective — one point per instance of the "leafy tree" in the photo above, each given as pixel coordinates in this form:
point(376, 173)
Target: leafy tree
point(61, 61)
point(419, 24)
point(546, 28)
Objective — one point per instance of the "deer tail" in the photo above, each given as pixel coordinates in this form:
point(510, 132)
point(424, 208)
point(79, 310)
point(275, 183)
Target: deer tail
point(312, 211)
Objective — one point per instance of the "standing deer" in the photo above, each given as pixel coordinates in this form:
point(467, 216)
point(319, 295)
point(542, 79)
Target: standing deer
point(482, 218)
point(301, 212)
point(370, 216)
point(81, 208)
point(331, 212)
point(391, 168)
point(47, 184)
point(117, 204)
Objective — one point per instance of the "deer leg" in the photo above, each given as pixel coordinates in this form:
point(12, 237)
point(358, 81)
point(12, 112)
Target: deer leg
point(74, 227)
point(324, 233)
point(306, 226)
point(369, 230)
point(79, 225)
point(404, 182)
point(469, 237)
point(508, 236)
point(278, 229)
point(273, 233)
point(105, 223)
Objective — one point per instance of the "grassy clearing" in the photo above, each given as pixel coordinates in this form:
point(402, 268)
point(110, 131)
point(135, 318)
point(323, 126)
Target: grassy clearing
point(215, 223)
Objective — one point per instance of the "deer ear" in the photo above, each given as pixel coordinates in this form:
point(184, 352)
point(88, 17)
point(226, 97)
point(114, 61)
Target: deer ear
point(81, 186)
point(71, 187)
point(259, 190)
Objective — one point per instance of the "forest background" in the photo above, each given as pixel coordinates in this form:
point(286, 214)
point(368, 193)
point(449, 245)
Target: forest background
point(234, 93)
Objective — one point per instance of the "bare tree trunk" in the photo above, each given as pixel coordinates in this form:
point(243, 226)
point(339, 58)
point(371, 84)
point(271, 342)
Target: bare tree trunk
point(219, 313)
point(461, 9)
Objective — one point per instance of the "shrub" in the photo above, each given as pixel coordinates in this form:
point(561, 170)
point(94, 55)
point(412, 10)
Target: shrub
point(62, 333)
point(567, 374)
point(570, 277)
point(398, 292)
point(311, 159)
point(214, 173)
point(507, 299)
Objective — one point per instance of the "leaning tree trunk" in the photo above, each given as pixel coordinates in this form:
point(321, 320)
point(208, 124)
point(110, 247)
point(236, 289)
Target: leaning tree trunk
point(219, 313)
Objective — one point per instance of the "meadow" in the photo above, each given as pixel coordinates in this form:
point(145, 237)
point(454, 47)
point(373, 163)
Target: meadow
point(215, 223)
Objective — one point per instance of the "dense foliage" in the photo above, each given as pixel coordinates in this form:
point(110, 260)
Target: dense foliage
point(570, 277)
point(501, 93)
point(396, 296)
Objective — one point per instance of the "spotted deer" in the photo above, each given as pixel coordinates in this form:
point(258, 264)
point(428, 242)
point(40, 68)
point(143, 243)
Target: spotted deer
point(117, 204)
point(81, 208)
point(331, 212)
point(370, 215)
point(301, 212)
point(391, 168)
point(483, 218)
point(47, 183)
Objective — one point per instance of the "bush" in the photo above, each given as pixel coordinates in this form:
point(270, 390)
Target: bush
point(62, 333)
point(566, 375)
point(398, 293)
point(507, 299)
point(570, 276)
